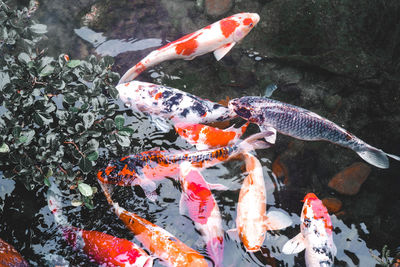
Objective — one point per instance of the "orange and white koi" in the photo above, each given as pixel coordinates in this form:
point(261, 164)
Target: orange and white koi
point(198, 203)
point(166, 103)
point(252, 221)
point(218, 37)
point(102, 248)
point(9, 256)
point(149, 166)
point(157, 240)
point(205, 137)
point(315, 236)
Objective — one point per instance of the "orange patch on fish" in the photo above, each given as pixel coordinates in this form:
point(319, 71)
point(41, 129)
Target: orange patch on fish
point(228, 26)
point(158, 95)
point(188, 47)
point(247, 21)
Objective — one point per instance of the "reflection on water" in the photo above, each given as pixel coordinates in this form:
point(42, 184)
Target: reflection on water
point(114, 47)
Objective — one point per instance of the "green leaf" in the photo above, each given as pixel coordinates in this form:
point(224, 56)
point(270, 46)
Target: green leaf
point(46, 181)
point(4, 148)
point(108, 124)
point(24, 58)
point(92, 146)
point(85, 165)
point(119, 121)
point(93, 156)
point(85, 189)
point(88, 119)
point(73, 63)
point(47, 70)
point(76, 202)
point(38, 28)
point(123, 140)
point(126, 131)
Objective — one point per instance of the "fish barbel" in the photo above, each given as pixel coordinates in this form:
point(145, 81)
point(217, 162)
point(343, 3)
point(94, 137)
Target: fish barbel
point(303, 124)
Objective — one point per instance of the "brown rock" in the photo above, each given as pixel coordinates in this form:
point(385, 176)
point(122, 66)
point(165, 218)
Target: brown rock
point(280, 170)
point(332, 204)
point(217, 7)
point(349, 180)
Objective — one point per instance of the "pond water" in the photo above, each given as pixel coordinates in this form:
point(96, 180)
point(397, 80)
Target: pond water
point(367, 106)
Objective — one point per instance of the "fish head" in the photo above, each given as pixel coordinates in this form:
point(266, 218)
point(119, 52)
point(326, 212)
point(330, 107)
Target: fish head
point(247, 107)
point(245, 23)
point(314, 210)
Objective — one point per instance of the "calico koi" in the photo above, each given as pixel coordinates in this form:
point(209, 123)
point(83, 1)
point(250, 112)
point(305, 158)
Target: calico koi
point(9, 256)
point(162, 102)
point(252, 220)
point(315, 236)
point(149, 166)
point(205, 137)
point(198, 203)
point(102, 248)
point(273, 115)
point(157, 240)
point(218, 37)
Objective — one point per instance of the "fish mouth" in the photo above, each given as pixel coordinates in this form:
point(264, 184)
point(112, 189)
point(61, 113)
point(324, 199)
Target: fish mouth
point(256, 18)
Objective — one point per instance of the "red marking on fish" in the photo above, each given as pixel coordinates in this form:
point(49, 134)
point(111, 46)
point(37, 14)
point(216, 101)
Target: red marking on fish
point(247, 21)
point(319, 211)
point(228, 26)
point(188, 47)
point(158, 95)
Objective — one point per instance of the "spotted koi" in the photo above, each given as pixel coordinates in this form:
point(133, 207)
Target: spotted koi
point(218, 37)
point(172, 104)
point(9, 256)
point(205, 137)
point(303, 124)
point(315, 236)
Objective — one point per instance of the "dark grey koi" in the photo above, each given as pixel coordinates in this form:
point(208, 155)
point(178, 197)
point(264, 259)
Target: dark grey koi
point(304, 124)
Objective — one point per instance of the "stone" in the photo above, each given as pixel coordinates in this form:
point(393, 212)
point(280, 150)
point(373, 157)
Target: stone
point(217, 7)
point(280, 170)
point(349, 180)
point(332, 204)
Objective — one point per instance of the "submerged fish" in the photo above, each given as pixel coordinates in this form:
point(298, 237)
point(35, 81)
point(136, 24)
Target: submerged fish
point(198, 203)
point(149, 166)
point(303, 124)
point(102, 248)
point(252, 221)
point(164, 102)
point(219, 37)
point(9, 256)
point(157, 240)
point(205, 137)
point(315, 236)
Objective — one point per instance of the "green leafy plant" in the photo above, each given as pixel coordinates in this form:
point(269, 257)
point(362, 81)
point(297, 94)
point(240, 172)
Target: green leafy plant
point(56, 114)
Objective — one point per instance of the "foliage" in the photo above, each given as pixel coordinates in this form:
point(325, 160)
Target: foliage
point(56, 114)
point(385, 259)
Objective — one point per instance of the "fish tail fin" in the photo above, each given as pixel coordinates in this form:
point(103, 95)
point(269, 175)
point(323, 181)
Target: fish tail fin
point(54, 202)
point(375, 156)
point(252, 142)
point(148, 61)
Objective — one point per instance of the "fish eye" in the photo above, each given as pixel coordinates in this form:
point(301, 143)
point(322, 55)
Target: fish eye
point(251, 25)
point(243, 112)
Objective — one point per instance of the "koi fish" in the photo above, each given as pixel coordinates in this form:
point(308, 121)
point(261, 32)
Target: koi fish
point(157, 240)
point(199, 204)
point(218, 37)
point(252, 220)
point(100, 247)
point(9, 256)
point(315, 236)
point(165, 103)
point(149, 166)
point(206, 137)
point(303, 124)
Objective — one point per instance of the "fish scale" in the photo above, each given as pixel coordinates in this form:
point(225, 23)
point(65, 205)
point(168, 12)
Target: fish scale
point(304, 124)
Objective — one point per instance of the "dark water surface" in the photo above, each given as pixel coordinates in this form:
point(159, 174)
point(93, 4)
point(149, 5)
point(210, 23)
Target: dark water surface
point(359, 93)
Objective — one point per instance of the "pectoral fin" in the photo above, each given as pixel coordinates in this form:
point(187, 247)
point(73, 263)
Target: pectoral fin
point(149, 187)
point(294, 245)
point(220, 187)
point(233, 234)
point(271, 138)
point(223, 50)
point(276, 220)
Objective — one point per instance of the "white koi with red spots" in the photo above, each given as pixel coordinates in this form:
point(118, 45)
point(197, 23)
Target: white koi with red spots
point(252, 221)
point(172, 104)
point(218, 37)
point(206, 137)
point(315, 236)
point(198, 203)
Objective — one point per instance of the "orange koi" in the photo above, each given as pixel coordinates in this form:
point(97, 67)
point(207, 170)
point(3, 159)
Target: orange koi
point(157, 240)
point(9, 256)
point(102, 248)
point(252, 221)
point(205, 137)
point(149, 166)
point(218, 37)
